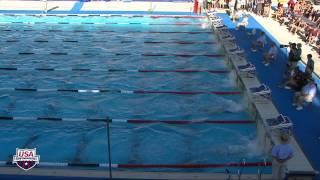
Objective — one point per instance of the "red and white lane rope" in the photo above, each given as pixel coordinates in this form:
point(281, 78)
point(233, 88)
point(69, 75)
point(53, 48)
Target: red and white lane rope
point(131, 121)
point(122, 91)
point(10, 68)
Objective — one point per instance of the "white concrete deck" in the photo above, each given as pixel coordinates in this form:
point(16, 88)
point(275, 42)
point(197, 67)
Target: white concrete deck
point(282, 34)
point(35, 5)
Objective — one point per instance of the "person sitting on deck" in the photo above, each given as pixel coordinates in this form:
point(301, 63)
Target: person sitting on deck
point(296, 26)
point(244, 23)
point(297, 80)
point(311, 35)
point(307, 94)
point(260, 42)
point(236, 15)
point(270, 55)
point(279, 13)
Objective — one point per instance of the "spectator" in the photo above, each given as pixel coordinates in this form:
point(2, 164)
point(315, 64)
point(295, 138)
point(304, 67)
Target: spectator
point(311, 35)
point(259, 6)
point(297, 80)
point(310, 65)
point(221, 3)
point(299, 52)
point(200, 6)
point(279, 13)
point(270, 55)
point(231, 6)
point(291, 4)
point(307, 94)
point(266, 8)
point(237, 15)
point(244, 22)
point(260, 42)
point(294, 55)
point(249, 5)
point(281, 153)
point(209, 4)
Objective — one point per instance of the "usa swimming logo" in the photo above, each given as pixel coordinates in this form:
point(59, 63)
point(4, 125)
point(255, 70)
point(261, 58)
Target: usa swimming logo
point(26, 159)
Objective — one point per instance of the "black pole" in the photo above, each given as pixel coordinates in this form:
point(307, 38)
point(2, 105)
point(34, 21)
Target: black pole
point(109, 148)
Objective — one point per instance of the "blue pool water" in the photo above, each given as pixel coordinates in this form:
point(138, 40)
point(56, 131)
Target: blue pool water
point(98, 48)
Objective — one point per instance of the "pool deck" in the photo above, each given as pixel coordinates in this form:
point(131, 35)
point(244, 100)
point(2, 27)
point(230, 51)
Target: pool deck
point(306, 122)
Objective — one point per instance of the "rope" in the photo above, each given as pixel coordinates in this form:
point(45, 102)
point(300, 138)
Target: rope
point(108, 23)
point(116, 54)
point(146, 42)
point(110, 31)
point(131, 121)
point(114, 70)
point(110, 15)
point(122, 91)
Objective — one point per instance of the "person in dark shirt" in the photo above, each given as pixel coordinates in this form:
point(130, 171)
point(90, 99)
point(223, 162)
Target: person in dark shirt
point(297, 81)
point(294, 55)
point(310, 65)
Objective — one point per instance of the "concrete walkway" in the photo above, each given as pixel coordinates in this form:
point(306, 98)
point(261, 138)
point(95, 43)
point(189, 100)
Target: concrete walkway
point(306, 122)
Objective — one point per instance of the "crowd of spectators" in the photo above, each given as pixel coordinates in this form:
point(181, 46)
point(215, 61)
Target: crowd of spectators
point(302, 19)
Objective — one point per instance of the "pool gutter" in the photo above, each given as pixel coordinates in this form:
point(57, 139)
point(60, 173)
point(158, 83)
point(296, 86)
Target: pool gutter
point(103, 173)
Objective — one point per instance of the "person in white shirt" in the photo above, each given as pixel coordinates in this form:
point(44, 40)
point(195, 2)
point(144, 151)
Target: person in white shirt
point(260, 42)
point(200, 6)
point(270, 55)
point(307, 94)
point(231, 6)
point(281, 153)
point(237, 15)
point(244, 22)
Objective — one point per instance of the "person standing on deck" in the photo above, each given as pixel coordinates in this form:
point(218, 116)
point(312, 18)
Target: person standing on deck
point(310, 65)
point(200, 6)
point(259, 7)
point(281, 153)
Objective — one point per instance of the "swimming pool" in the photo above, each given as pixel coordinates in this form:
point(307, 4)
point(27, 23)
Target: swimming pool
point(61, 77)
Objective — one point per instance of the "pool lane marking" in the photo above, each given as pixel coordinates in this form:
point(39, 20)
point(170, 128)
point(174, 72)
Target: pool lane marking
point(132, 121)
point(111, 31)
point(111, 15)
point(110, 23)
point(131, 166)
point(115, 70)
point(127, 41)
point(122, 91)
point(183, 55)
